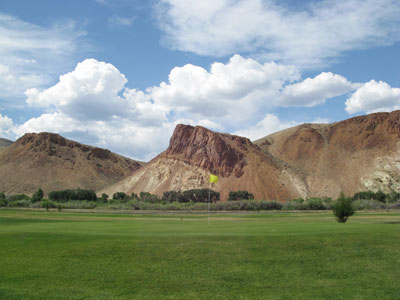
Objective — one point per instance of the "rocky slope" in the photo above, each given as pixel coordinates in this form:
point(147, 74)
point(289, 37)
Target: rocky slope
point(196, 152)
point(358, 154)
point(52, 162)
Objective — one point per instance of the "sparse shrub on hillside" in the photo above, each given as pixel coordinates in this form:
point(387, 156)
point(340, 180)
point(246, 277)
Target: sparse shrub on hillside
point(2, 196)
point(240, 195)
point(343, 208)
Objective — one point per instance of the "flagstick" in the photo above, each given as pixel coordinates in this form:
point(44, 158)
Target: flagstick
point(208, 209)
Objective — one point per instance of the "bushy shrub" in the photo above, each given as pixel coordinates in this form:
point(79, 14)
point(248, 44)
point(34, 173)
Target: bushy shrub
point(19, 203)
point(79, 204)
point(368, 204)
point(395, 205)
point(240, 195)
point(47, 204)
point(269, 205)
point(343, 208)
point(315, 204)
point(17, 197)
point(148, 197)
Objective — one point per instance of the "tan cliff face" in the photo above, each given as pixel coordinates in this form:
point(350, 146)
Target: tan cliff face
point(52, 162)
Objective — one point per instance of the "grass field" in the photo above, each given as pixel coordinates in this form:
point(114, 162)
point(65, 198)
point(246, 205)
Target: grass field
point(285, 255)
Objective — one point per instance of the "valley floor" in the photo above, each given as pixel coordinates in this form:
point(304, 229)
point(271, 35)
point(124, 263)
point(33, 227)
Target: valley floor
point(274, 255)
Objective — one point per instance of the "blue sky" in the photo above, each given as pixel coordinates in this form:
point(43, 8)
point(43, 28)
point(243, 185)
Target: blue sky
point(121, 74)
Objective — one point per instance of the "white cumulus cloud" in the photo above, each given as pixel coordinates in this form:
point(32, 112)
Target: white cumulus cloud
point(7, 127)
point(315, 91)
point(373, 97)
point(88, 92)
point(309, 34)
point(231, 93)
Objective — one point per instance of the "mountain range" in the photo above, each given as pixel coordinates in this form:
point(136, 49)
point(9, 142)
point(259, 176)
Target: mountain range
point(358, 154)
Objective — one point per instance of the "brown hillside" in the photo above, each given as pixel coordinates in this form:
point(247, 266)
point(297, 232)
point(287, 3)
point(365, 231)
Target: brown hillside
point(52, 162)
point(196, 152)
point(4, 143)
point(353, 155)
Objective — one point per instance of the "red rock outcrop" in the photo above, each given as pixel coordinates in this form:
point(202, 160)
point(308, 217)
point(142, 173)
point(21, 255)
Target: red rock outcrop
point(221, 154)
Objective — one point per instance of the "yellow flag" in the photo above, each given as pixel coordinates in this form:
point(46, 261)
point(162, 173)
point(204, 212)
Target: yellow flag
point(213, 178)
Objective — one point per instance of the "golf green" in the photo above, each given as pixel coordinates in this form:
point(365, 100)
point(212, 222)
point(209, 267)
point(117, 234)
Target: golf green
point(275, 255)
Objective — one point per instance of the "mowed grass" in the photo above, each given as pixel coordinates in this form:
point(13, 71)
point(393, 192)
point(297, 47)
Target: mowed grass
point(51, 255)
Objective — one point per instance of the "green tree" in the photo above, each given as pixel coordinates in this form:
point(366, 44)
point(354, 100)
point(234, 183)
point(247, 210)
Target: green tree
point(104, 198)
point(38, 195)
point(343, 208)
point(120, 197)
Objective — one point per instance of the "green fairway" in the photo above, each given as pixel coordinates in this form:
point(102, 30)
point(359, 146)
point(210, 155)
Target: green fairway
point(52, 255)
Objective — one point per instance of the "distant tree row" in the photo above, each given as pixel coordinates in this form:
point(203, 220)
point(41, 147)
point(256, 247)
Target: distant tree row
point(193, 195)
point(71, 195)
point(243, 200)
point(377, 196)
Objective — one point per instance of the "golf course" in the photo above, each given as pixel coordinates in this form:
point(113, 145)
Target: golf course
point(264, 255)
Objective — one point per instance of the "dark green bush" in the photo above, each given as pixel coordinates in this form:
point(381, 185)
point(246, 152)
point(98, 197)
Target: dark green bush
point(17, 197)
point(103, 198)
point(120, 197)
point(38, 195)
point(315, 204)
point(3, 202)
point(148, 197)
point(240, 195)
point(343, 208)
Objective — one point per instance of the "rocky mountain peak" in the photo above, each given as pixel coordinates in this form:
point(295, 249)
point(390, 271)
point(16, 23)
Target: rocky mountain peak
point(222, 154)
